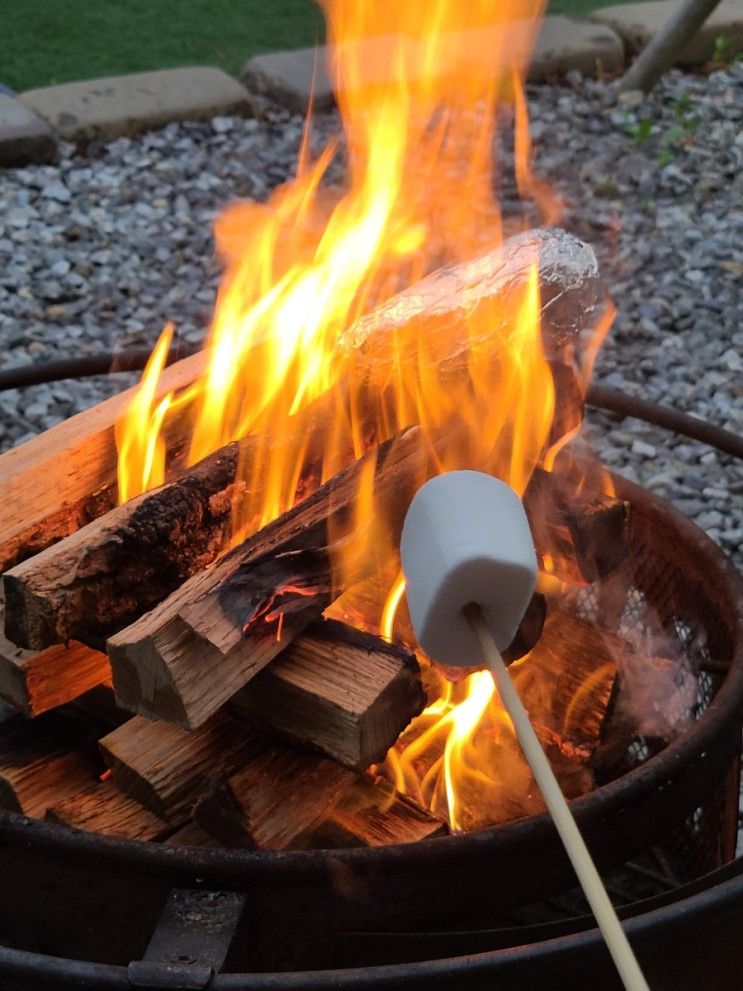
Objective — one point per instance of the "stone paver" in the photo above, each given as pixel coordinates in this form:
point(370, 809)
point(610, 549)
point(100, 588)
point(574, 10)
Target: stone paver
point(638, 22)
point(566, 43)
point(127, 105)
point(563, 44)
point(24, 138)
point(288, 78)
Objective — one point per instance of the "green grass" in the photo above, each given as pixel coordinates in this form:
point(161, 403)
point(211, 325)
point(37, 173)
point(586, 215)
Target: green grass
point(54, 41)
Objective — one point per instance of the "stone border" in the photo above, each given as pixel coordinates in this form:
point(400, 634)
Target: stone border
point(103, 109)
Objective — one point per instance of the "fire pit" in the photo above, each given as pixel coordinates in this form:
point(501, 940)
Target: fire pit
point(682, 799)
point(283, 776)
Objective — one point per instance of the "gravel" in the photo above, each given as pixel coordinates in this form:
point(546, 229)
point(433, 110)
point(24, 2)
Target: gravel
point(102, 249)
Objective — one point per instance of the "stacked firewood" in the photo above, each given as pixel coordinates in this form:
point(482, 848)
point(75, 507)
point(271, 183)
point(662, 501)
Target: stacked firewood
point(243, 716)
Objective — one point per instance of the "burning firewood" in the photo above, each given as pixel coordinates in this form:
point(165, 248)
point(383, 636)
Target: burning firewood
point(339, 690)
point(276, 798)
point(235, 618)
point(567, 683)
point(103, 577)
point(336, 689)
point(370, 813)
point(102, 808)
point(584, 532)
point(66, 477)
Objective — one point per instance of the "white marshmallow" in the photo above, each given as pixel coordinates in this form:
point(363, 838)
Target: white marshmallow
point(466, 539)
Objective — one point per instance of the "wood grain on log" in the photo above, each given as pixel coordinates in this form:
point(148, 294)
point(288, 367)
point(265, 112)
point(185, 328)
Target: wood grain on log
point(370, 813)
point(337, 690)
point(34, 682)
point(66, 477)
point(567, 681)
point(276, 798)
point(103, 809)
point(167, 768)
point(44, 762)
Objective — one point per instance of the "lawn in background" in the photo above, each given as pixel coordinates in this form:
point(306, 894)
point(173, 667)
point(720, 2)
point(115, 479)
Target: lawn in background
point(54, 41)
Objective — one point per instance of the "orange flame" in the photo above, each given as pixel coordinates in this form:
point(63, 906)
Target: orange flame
point(293, 347)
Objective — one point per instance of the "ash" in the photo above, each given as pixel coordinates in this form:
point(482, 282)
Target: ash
point(101, 250)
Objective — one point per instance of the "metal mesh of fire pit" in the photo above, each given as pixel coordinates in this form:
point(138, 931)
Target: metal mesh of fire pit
point(667, 594)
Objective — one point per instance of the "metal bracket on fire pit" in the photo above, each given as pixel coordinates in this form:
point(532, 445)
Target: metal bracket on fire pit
point(191, 940)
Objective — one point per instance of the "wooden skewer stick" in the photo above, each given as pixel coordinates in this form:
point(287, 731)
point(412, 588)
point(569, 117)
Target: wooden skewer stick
point(575, 847)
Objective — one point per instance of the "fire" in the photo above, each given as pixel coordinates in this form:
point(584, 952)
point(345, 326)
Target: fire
point(421, 90)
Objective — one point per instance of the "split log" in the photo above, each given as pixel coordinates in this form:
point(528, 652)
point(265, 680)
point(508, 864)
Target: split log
point(34, 682)
point(583, 533)
point(567, 681)
point(338, 690)
point(43, 762)
point(233, 619)
point(102, 578)
point(66, 477)
point(102, 808)
point(371, 813)
point(274, 800)
point(167, 769)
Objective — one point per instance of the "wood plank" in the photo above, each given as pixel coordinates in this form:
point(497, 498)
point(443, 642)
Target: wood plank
point(167, 768)
point(338, 690)
point(103, 809)
point(276, 798)
point(36, 681)
point(66, 477)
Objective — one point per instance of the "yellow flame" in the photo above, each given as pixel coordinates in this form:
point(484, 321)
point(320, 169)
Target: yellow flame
point(316, 350)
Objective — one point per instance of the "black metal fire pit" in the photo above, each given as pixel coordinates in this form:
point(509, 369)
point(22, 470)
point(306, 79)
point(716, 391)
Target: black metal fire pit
point(82, 897)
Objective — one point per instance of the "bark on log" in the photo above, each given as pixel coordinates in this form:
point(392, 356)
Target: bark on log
point(66, 477)
point(103, 577)
point(274, 800)
point(660, 53)
point(103, 809)
point(337, 690)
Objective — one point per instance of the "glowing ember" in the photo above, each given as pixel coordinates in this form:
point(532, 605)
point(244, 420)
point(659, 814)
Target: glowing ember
point(421, 89)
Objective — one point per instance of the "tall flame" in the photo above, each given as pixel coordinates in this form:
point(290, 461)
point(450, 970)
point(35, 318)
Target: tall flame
point(420, 89)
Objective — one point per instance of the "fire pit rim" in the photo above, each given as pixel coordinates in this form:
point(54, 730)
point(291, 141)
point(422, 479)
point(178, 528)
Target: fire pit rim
point(238, 867)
